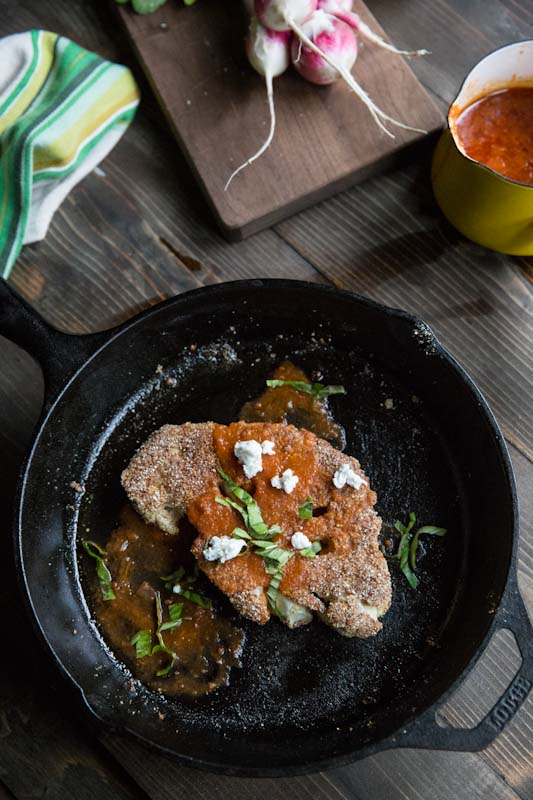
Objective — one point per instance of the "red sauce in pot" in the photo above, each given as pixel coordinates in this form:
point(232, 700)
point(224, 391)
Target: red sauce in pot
point(497, 130)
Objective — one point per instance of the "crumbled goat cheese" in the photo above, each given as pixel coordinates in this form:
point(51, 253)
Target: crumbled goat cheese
point(389, 403)
point(248, 453)
point(286, 481)
point(268, 448)
point(346, 475)
point(222, 548)
point(300, 541)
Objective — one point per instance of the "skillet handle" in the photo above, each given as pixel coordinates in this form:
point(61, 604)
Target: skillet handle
point(58, 354)
point(427, 734)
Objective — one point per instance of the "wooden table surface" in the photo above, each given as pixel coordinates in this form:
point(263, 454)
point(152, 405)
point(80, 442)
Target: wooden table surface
point(136, 231)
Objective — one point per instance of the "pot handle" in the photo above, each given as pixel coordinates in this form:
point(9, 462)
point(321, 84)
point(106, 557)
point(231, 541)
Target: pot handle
point(58, 354)
point(426, 733)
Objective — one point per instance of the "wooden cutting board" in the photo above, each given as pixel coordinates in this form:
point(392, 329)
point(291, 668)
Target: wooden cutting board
point(216, 105)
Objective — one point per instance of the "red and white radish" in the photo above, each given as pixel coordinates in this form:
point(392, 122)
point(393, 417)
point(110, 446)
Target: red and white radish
point(343, 10)
point(282, 15)
point(330, 36)
point(268, 52)
point(335, 50)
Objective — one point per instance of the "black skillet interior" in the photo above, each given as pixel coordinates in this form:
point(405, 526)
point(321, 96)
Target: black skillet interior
point(307, 696)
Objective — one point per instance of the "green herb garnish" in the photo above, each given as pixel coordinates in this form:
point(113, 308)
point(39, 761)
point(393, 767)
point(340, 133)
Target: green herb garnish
point(431, 530)
point(161, 647)
point(174, 583)
point(194, 597)
point(143, 643)
point(273, 591)
point(104, 576)
point(408, 546)
point(251, 513)
point(274, 557)
point(310, 552)
point(316, 390)
point(306, 509)
point(174, 612)
point(173, 578)
point(143, 639)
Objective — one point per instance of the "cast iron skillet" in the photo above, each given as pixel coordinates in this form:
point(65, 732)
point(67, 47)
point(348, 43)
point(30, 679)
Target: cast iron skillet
point(306, 699)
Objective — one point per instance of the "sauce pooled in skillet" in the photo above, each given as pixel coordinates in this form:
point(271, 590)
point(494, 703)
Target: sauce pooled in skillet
point(207, 645)
point(286, 404)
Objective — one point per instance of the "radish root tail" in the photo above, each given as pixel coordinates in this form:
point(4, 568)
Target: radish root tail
point(268, 141)
point(376, 112)
point(355, 21)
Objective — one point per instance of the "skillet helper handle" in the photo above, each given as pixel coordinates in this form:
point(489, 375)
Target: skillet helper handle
point(58, 354)
point(427, 734)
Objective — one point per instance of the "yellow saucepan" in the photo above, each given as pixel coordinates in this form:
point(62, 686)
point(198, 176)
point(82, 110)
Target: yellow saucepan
point(485, 206)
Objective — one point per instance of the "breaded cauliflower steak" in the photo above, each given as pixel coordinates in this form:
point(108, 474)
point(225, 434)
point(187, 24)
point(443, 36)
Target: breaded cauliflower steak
point(347, 584)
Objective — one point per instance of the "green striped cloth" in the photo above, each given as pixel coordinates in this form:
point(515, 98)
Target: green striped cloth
point(62, 109)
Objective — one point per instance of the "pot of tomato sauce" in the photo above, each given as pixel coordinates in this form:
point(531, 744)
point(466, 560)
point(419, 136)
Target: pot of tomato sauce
point(482, 170)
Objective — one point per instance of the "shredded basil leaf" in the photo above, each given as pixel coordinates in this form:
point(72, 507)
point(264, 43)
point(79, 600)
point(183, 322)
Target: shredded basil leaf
point(104, 576)
point(143, 643)
point(274, 557)
point(194, 597)
point(226, 501)
point(143, 639)
point(161, 647)
point(317, 390)
point(251, 514)
point(273, 591)
point(305, 511)
point(173, 584)
point(310, 552)
point(408, 546)
point(238, 533)
point(174, 612)
point(403, 556)
point(431, 530)
point(173, 578)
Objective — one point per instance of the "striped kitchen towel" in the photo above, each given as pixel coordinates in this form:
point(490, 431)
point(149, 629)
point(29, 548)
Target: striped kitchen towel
point(62, 109)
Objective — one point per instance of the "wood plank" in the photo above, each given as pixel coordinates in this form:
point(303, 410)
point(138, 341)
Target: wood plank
point(393, 775)
point(457, 33)
point(405, 775)
point(163, 779)
point(215, 105)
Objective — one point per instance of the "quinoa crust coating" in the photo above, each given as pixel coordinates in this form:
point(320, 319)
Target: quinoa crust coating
point(175, 473)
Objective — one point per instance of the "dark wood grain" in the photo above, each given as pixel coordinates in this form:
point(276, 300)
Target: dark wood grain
point(393, 776)
point(326, 140)
point(141, 231)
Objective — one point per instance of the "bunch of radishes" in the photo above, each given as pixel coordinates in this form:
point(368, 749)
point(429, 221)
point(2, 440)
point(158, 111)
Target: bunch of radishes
point(319, 38)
